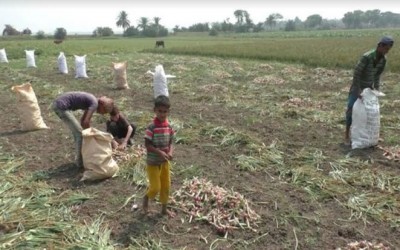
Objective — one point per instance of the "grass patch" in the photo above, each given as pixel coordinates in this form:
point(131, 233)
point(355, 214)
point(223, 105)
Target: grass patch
point(38, 217)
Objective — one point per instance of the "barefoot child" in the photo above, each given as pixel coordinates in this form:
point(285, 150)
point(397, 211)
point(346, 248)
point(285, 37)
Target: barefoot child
point(121, 129)
point(68, 102)
point(158, 142)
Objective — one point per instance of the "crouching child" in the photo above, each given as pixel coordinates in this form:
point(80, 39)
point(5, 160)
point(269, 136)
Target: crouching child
point(121, 130)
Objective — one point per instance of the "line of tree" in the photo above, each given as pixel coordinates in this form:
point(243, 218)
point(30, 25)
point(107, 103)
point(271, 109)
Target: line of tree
point(371, 19)
point(145, 26)
point(351, 20)
point(152, 28)
point(59, 33)
point(11, 31)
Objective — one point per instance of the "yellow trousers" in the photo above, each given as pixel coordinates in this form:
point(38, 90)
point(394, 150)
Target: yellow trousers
point(159, 181)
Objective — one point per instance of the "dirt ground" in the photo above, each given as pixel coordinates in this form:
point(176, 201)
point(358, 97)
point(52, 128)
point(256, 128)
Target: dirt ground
point(290, 218)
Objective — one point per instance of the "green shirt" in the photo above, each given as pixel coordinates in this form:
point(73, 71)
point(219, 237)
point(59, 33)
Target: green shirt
point(367, 72)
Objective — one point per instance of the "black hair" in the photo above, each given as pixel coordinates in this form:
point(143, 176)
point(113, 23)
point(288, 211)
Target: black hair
point(381, 44)
point(162, 101)
point(114, 111)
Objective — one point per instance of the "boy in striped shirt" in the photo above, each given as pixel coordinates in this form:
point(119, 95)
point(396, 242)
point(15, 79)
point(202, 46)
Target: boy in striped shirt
point(158, 141)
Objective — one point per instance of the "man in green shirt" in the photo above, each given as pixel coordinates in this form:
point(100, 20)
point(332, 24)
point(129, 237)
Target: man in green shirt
point(367, 75)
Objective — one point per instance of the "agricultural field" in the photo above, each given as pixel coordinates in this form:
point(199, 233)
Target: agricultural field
point(260, 126)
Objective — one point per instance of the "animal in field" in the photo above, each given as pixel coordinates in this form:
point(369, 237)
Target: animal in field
point(160, 43)
point(58, 41)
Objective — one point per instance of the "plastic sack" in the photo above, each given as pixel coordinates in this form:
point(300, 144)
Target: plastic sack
point(365, 125)
point(120, 75)
point(80, 66)
point(3, 56)
point(30, 58)
point(28, 108)
point(160, 83)
point(97, 155)
point(62, 63)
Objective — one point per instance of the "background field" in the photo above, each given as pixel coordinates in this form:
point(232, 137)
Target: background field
point(262, 116)
point(340, 48)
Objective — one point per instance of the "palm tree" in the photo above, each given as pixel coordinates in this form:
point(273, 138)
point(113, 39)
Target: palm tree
point(122, 20)
point(157, 24)
point(143, 23)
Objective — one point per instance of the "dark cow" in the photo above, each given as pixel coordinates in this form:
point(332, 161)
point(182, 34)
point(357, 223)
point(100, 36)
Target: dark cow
point(58, 41)
point(160, 43)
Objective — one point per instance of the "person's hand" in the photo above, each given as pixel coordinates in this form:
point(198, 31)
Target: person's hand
point(122, 146)
point(114, 144)
point(164, 155)
point(85, 123)
point(170, 156)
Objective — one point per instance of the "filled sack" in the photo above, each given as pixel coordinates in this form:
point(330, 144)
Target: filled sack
point(28, 108)
point(62, 63)
point(160, 84)
point(97, 155)
point(80, 66)
point(30, 58)
point(3, 56)
point(365, 125)
point(120, 75)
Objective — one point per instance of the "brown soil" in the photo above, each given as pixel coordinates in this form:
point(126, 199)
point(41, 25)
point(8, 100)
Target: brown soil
point(290, 218)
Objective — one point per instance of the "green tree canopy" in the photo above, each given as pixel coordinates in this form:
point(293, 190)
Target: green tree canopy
point(131, 31)
point(313, 21)
point(122, 20)
point(27, 31)
point(143, 23)
point(290, 25)
point(272, 19)
point(103, 31)
point(40, 35)
point(60, 33)
point(10, 31)
point(157, 24)
point(239, 14)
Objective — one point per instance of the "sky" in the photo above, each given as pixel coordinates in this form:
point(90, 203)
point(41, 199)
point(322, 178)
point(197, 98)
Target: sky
point(84, 16)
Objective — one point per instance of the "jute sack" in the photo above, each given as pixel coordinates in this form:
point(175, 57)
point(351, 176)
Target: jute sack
point(97, 155)
point(120, 75)
point(28, 108)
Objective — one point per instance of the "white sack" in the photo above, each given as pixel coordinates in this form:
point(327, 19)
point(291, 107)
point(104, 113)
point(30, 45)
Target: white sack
point(80, 66)
point(160, 83)
point(30, 58)
point(365, 125)
point(3, 56)
point(62, 63)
